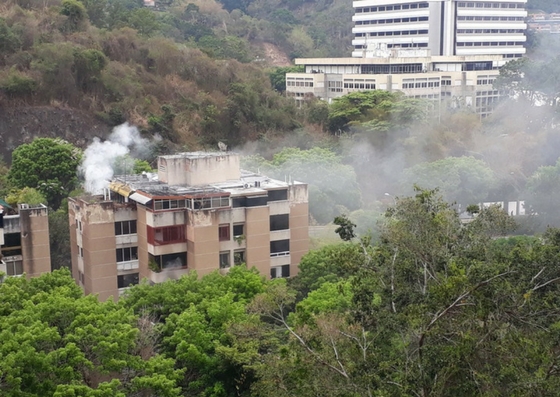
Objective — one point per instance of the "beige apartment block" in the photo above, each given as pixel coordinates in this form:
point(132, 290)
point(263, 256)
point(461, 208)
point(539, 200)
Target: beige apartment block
point(24, 241)
point(201, 213)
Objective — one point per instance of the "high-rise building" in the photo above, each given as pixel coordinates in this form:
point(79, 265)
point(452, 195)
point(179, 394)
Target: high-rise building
point(201, 213)
point(446, 51)
point(24, 241)
point(444, 27)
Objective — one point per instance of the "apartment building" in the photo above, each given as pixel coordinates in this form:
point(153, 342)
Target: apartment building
point(24, 240)
point(201, 213)
point(448, 52)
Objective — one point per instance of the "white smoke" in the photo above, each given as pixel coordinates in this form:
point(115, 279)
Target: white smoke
point(100, 156)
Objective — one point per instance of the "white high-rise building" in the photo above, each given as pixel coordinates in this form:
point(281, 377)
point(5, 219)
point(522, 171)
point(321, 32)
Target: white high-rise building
point(446, 51)
point(445, 27)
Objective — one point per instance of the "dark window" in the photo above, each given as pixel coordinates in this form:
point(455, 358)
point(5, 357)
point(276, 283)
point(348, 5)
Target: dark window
point(169, 261)
point(166, 235)
point(12, 240)
point(127, 254)
point(238, 230)
point(223, 232)
point(14, 268)
point(279, 222)
point(238, 202)
point(277, 195)
point(125, 227)
point(279, 247)
point(257, 201)
point(238, 257)
point(280, 271)
point(127, 280)
point(224, 260)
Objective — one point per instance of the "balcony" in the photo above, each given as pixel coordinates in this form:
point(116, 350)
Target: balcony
point(127, 239)
point(128, 265)
point(167, 274)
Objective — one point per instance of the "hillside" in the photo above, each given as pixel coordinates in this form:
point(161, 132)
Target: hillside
point(193, 72)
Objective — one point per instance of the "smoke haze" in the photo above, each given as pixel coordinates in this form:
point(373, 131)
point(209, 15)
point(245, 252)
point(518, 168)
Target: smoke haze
point(99, 157)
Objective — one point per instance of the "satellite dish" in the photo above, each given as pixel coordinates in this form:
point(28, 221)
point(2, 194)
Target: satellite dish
point(222, 146)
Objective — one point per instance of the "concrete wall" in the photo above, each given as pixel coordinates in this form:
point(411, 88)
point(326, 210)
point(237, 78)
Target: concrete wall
point(193, 169)
point(34, 223)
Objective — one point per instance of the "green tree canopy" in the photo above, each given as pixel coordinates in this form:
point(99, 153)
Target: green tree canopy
point(48, 165)
point(464, 180)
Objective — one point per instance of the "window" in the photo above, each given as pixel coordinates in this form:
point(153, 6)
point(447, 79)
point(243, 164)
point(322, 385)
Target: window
point(279, 222)
point(127, 280)
point(224, 260)
point(223, 232)
point(256, 201)
point(277, 195)
point(238, 230)
point(238, 257)
point(279, 247)
point(170, 261)
point(280, 271)
point(210, 202)
point(127, 254)
point(169, 204)
point(238, 202)
point(166, 235)
point(125, 227)
point(14, 268)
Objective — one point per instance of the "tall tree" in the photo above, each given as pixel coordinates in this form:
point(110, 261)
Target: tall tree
point(48, 165)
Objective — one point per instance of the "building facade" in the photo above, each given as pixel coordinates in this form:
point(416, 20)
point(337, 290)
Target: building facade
point(200, 213)
point(446, 51)
point(444, 27)
point(24, 241)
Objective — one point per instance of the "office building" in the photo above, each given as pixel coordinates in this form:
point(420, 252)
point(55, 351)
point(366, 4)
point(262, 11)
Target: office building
point(201, 213)
point(444, 27)
point(24, 240)
point(448, 52)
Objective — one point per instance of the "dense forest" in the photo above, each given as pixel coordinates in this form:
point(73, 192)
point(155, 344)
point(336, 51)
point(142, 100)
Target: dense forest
point(436, 308)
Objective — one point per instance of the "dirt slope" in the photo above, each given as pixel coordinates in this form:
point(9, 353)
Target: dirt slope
point(22, 124)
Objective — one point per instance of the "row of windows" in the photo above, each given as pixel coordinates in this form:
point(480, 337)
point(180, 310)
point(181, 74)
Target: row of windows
point(299, 83)
point(484, 80)
point(488, 93)
point(14, 268)
point(489, 31)
point(170, 261)
point(166, 235)
point(396, 33)
point(224, 231)
point(490, 5)
point(391, 8)
point(127, 254)
point(392, 69)
point(490, 44)
point(128, 280)
point(403, 45)
point(333, 84)
point(225, 258)
point(257, 201)
point(420, 84)
point(125, 227)
point(391, 20)
point(360, 86)
point(446, 81)
point(197, 203)
point(478, 18)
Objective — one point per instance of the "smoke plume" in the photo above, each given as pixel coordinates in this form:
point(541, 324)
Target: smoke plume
point(99, 157)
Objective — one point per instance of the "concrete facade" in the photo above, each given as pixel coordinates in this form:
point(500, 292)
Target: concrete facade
point(24, 242)
point(145, 228)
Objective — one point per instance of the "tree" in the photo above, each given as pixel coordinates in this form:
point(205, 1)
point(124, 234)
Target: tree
point(68, 344)
point(48, 165)
point(76, 14)
point(543, 190)
point(27, 195)
point(278, 76)
point(333, 188)
point(345, 227)
point(464, 180)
